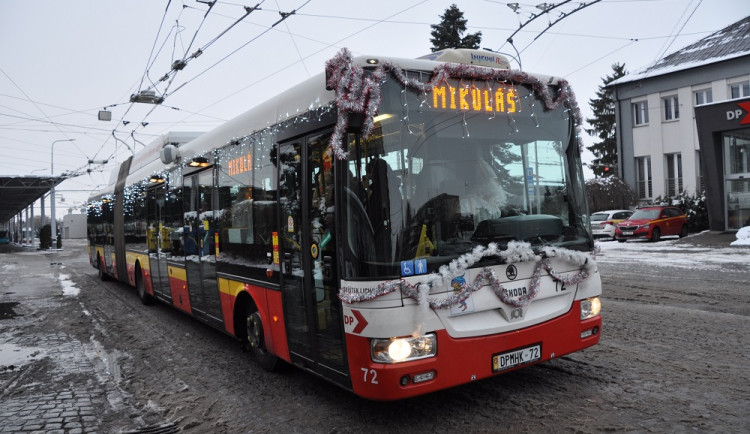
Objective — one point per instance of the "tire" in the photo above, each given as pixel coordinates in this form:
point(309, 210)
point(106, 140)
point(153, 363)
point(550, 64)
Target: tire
point(102, 273)
point(655, 235)
point(253, 339)
point(140, 287)
point(683, 231)
point(621, 240)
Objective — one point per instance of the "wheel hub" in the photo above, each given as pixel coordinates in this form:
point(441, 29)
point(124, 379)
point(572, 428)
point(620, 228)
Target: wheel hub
point(254, 330)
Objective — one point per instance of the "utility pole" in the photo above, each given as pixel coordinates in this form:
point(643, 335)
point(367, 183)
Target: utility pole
point(53, 224)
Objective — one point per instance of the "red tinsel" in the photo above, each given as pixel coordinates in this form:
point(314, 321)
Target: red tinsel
point(357, 92)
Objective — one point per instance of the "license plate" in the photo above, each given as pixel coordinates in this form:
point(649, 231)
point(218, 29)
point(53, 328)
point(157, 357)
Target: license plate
point(627, 232)
point(511, 359)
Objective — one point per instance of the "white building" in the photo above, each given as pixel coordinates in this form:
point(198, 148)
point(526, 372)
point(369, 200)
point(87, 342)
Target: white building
point(657, 139)
point(74, 226)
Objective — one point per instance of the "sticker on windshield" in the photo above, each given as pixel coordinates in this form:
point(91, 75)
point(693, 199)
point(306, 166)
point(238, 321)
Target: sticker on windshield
point(420, 266)
point(466, 306)
point(407, 268)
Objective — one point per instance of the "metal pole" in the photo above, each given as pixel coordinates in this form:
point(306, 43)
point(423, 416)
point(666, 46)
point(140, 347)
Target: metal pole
point(41, 223)
point(33, 231)
point(53, 224)
point(26, 227)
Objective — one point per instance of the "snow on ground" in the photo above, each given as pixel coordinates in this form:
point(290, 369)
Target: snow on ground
point(743, 237)
point(668, 253)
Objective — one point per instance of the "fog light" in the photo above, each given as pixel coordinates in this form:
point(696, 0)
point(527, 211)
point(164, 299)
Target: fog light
point(587, 333)
point(420, 378)
point(590, 307)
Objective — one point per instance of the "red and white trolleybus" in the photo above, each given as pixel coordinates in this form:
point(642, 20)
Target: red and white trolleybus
point(396, 226)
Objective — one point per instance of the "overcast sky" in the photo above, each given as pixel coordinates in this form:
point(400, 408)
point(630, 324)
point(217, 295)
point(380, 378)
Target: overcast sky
point(63, 61)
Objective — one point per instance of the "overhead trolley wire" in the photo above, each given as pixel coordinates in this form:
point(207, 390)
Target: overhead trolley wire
point(284, 16)
point(40, 109)
point(562, 16)
point(669, 44)
point(327, 46)
point(179, 65)
point(156, 39)
point(296, 47)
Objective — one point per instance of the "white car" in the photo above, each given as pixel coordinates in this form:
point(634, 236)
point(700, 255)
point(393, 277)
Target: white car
point(603, 222)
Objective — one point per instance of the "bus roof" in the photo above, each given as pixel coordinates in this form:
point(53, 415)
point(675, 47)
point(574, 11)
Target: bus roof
point(307, 95)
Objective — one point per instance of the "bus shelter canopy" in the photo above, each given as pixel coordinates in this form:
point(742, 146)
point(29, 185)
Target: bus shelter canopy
point(18, 192)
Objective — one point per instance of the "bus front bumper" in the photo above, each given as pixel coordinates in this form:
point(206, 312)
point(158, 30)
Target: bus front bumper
point(464, 360)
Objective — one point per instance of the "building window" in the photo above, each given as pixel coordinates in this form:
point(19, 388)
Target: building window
point(640, 113)
point(739, 90)
point(673, 181)
point(703, 96)
point(643, 175)
point(736, 154)
point(671, 108)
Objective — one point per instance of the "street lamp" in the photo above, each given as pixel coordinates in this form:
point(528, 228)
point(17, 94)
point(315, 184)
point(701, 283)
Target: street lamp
point(53, 224)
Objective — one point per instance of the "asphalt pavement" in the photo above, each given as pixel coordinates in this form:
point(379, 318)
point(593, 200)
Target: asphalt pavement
point(50, 380)
point(54, 380)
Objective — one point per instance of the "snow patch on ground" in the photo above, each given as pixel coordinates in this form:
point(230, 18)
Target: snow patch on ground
point(667, 253)
point(743, 237)
point(68, 287)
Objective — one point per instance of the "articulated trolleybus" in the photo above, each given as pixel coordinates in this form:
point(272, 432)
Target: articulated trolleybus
point(396, 226)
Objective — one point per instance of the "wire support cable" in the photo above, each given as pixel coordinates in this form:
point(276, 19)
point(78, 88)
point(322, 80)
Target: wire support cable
point(284, 16)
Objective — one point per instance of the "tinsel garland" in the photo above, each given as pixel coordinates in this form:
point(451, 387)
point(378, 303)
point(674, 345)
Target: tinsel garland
point(516, 252)
point(357, 92)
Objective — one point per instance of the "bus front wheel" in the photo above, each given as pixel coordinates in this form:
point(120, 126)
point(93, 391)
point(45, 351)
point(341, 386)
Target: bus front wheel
point(254, 340)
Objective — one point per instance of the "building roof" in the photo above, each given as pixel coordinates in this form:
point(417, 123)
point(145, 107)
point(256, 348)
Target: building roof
point(18, 192)
point(728, 43)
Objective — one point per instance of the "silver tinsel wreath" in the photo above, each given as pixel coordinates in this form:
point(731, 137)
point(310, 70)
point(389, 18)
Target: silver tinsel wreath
point(516, 252)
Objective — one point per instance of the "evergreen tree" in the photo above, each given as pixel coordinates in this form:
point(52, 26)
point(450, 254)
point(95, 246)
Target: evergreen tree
point(603, 126)
point(448, 34)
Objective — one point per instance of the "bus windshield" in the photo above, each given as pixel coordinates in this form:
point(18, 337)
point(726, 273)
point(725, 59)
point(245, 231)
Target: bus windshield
point(442, 173)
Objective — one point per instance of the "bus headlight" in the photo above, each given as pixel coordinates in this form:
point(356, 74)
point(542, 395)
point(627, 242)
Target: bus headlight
point(403, 349)
point(590, 307)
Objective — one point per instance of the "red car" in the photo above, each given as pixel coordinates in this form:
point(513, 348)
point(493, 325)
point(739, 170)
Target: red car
point(652, 223)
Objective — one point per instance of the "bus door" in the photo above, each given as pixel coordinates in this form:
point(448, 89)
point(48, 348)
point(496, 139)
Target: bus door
point(308, 255)
point(108, 237)
point(200, 245)
point(157, 239)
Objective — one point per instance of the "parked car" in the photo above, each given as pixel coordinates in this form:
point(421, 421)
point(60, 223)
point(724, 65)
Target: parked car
point(603, 222)
point(652, 223)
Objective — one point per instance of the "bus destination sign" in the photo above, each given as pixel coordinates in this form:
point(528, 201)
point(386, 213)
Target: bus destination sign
point(502, 99)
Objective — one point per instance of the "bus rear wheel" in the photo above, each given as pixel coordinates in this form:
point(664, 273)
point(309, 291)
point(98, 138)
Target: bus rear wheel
point(140, 287)
point(102, 272)
point(254, 340)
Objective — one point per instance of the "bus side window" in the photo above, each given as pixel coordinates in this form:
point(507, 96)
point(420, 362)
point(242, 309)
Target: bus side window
point(247, 207)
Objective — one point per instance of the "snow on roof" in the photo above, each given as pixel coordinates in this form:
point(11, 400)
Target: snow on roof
point(728, 43)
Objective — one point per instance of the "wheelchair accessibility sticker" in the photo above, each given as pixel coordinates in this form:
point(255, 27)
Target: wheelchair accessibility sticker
point(411, 268)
